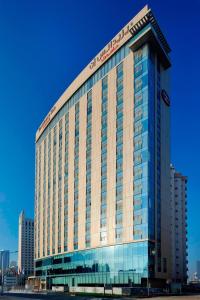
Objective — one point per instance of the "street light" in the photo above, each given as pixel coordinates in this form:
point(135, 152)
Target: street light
point(152, 253)
point(147, 269)
point(2, 268)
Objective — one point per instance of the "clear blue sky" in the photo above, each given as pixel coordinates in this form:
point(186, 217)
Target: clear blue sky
point(43, 46)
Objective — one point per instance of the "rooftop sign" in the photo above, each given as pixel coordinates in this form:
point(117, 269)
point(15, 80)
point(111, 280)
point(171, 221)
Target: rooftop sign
point(47, 120)
point(117, 42)
point(112, 46)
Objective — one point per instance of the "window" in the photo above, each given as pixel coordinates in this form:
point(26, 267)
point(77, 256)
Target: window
point(138, 144)
point(119, 151)
point(138, 70)
point(138, 56)
point(138, 158)
point(138, 173)
point(138, 128)
point(137, 188)
point(119, 163)
point(103, 222)
point(137, 219)
point(138, 114)
point(138, 84)
point(137, 234)
point(119, 206)
point(119, 219)
point(103, 236)
point(118, 234)
point(137, 204)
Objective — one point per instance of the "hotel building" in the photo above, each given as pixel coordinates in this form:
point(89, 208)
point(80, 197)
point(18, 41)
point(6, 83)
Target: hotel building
point(25, 245)
point(102, 193)
point(179, 226)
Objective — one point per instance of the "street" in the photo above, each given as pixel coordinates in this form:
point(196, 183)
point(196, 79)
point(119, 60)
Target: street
point(196, 297)
point(67, 297)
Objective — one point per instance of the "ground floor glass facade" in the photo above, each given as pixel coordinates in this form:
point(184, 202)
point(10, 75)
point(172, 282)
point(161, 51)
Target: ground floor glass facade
point(120, 264)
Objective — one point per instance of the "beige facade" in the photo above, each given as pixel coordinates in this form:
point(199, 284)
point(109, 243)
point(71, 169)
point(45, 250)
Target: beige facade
point(178, 224)
point(63, 217)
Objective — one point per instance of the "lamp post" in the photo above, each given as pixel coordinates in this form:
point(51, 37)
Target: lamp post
point(152, 253)
point(2, 268)
point(147, 285)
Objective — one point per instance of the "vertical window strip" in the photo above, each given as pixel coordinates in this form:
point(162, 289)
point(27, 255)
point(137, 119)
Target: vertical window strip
point(39, 203)
point(119, 155)
point(76, 175)
point(36, 204)
point(54, 188)
point(158, 170)
point(44, 202)
point(49, 193)
point(60, 185)
point(66, 183)
point(140, 139)
point(88, 171)
point(104, 133)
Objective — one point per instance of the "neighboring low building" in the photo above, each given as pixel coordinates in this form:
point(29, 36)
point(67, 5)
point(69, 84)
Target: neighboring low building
point(25, 245)
point(10, 280)
point(179, 226)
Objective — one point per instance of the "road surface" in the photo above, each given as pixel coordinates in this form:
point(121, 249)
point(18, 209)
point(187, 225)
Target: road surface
point(25, 297)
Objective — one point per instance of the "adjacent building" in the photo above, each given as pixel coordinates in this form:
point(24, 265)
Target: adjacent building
point(198, 268)
point(25, 245)
point(10, 280)
point(179, 226)
point(102, 195)
point(13, 266)
point(4, 259)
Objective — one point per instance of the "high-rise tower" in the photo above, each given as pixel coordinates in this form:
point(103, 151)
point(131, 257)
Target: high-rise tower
point(103, 167)
point(25, 245)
